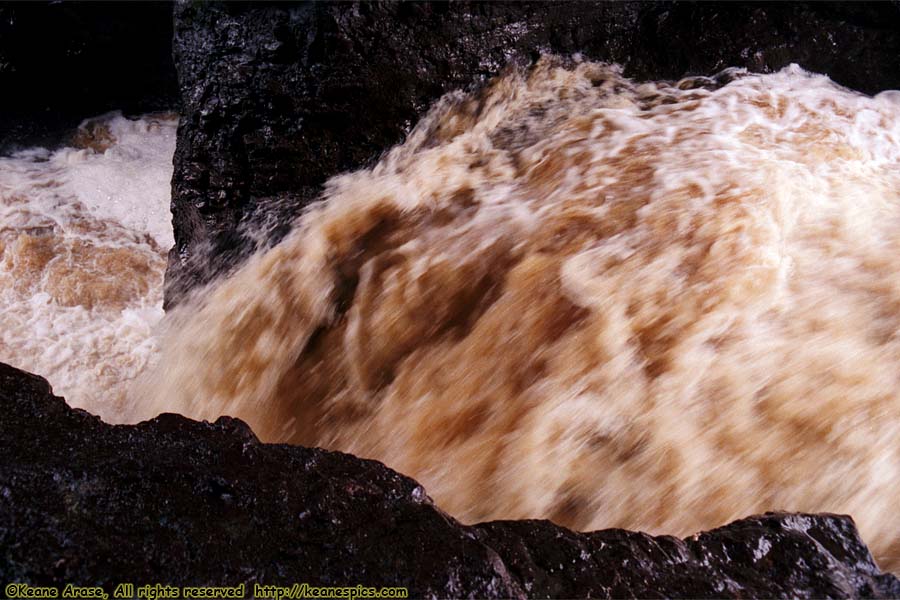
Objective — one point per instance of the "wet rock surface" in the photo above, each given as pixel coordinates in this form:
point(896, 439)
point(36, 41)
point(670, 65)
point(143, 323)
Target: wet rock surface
point(61, 62)
point(277, 97)
point(179, 502)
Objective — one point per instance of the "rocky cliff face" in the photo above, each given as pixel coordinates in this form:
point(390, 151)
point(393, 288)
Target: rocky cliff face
point(178, 502)
point(277, 97)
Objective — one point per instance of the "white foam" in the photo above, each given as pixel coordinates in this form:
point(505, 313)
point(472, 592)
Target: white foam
point(129, 182)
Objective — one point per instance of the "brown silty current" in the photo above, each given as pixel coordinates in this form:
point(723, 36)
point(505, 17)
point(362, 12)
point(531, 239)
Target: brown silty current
point(654, 306)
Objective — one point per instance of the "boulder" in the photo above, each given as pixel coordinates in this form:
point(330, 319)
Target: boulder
point(177, 502)
point(278, 97)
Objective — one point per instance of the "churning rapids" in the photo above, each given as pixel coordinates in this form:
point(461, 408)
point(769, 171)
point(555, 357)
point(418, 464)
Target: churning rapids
point(84, 233)
point(569, 295)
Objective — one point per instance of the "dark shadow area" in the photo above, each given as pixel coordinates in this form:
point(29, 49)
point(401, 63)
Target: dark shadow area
point(61, 62)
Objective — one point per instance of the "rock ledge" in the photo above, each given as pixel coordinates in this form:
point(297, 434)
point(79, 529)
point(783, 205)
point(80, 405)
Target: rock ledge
point(179, 502)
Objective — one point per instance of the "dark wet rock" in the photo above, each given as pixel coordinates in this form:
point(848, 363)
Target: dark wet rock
point(178, 502)
point(856, 43)
point(61, 62)
point(277, 97)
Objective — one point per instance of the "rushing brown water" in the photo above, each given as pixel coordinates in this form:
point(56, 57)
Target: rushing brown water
point(572, 296)
point(84, 233)
point(655, 306)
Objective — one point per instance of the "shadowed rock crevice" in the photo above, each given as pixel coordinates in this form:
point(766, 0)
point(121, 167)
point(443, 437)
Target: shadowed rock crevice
point(181, 502)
